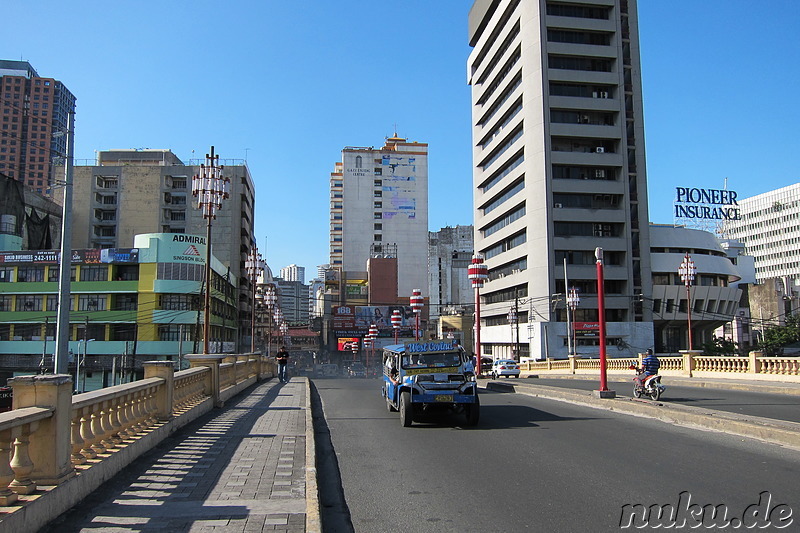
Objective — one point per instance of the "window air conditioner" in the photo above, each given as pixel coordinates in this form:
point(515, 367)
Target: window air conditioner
point(558, 206)
point(603, 94)
point(600, 173)
point(600, 150)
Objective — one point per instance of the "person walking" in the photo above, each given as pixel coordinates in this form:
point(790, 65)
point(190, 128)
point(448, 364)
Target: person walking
point(283, 360)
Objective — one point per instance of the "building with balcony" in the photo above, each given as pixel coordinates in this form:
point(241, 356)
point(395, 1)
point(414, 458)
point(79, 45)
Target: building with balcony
point(130, 192)
point(558, 155)
point(34, 113)
point(294, 273)
point(127, 305)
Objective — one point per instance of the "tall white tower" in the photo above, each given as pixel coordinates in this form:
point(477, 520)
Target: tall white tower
point(558, 155)
point(379, 201)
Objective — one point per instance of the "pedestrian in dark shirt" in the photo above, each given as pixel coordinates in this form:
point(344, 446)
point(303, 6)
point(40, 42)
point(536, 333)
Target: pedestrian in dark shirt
point(283, 360)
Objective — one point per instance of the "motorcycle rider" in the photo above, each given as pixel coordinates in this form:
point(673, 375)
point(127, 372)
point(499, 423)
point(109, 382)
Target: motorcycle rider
point(650, 366)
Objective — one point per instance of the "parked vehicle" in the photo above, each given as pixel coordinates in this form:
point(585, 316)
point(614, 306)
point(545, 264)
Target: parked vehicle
point(649, 386)
point(358, 370)
point(505, 367)
point(426, 376)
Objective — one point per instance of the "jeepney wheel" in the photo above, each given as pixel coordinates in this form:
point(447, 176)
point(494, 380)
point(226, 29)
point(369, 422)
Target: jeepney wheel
point(473, 411)
point(406, 416)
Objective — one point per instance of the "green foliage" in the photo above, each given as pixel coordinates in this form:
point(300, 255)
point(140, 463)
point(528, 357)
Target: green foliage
point(775, 338)
point(720, 346)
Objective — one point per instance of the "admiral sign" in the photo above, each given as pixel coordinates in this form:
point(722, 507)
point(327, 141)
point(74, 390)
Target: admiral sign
point(706, 204)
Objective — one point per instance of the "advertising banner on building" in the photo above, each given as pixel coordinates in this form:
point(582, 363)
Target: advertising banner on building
point(587, 329)
point(344, 317)
point(88, 256)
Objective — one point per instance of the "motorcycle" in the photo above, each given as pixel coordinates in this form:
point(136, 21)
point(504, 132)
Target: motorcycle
point(649, 386)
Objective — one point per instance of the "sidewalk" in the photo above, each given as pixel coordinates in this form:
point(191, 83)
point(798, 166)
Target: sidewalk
point(237, 469)
point(742, 384)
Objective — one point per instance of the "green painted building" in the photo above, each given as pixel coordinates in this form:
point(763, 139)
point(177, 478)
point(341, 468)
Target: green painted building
point(126, 306)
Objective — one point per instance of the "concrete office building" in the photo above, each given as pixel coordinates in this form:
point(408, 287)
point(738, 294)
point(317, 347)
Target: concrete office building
point(379, 202)
point(32, 110)
point(559, 169)
point(294, 273)
point(131, 192)
point(449, 256)
point(769, 227)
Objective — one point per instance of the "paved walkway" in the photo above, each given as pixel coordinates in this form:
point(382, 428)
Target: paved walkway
point(237, 469)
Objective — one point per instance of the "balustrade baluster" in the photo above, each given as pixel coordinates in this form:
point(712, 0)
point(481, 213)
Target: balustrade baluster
point(107, 426)
point(86, 433)
point(97, 429)
point(7, 496)
point(21, 463)
point(77, 441)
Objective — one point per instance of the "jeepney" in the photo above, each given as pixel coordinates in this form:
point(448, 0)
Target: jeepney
point(422, 376)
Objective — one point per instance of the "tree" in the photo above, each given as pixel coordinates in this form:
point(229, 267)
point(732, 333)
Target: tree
point(775, 338)
point(720, 346)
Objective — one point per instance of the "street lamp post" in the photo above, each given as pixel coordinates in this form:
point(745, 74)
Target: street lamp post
point(269, 302)
point(416, 307)
point(512, 319)
point(478, 273)
point(210, 187)
point(396, 321)
point(572, 303)
point(687, 272)
point(254, 265)
point(601, 312)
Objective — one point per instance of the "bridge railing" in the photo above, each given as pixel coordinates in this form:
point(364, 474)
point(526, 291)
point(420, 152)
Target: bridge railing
point(689, 364)
point(56, 447)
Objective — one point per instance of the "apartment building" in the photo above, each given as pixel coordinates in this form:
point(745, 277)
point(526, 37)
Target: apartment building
point(34, 113)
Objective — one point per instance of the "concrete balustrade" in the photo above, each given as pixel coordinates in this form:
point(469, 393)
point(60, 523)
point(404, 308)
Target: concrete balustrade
point(56, 447)
point(688, 364)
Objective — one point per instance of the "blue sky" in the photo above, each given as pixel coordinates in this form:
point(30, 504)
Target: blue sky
point(289, 84)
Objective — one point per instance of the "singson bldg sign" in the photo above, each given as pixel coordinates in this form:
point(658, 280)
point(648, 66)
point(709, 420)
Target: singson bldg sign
point(706, 204)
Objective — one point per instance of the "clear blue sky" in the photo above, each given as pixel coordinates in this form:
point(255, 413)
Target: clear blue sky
point(289, 84)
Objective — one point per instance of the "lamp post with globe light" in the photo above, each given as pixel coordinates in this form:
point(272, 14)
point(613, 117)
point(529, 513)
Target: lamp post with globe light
point(687, 272)
point(210, 187)
point(254, 265)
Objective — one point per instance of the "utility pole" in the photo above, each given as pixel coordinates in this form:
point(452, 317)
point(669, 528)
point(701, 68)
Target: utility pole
point(65, 265)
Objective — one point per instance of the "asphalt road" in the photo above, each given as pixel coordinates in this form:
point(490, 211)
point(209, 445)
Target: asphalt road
point(777, 406)
point(535, 465)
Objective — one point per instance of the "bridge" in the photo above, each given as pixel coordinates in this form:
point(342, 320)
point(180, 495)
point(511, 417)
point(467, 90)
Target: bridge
point(251, 464)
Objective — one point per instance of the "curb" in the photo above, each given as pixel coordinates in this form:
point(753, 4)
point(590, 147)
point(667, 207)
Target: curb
point(313, 520)
point(775, 431)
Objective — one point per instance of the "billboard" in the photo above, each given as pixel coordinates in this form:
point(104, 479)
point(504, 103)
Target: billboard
point(87, 256)
point(345, 344)
point(381, 316)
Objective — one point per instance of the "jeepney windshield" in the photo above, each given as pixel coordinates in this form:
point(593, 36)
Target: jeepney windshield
point(430, 360)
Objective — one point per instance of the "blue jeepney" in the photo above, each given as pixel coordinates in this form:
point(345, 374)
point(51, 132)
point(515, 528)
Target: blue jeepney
point(426, 375)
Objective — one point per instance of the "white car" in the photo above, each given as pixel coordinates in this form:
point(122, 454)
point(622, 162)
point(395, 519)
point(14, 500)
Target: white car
point(505, 367)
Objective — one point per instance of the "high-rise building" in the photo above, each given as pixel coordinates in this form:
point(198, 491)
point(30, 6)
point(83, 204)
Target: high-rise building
point(294, 273)
point(379, 204)
point(768, 227)
point(293, 301)
point(558, 154)
point(34, 113)
point(449, 256)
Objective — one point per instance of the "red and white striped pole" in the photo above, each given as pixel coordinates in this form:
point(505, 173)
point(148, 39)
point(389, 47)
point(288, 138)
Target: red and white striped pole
point(416, 306)
point(478, 273)
point(396, 321)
